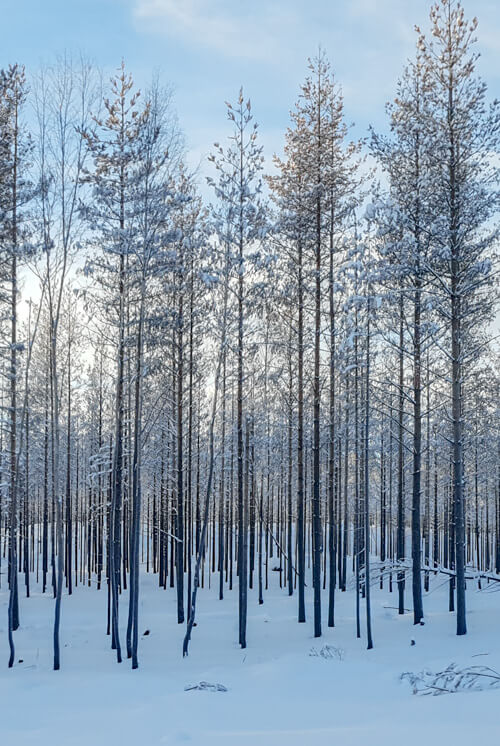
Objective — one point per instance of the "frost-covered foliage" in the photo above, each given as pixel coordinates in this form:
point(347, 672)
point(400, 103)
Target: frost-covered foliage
point(205, 686)
point(328, 652)
point(452, 679)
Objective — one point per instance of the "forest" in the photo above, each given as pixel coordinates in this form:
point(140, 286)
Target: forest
point(287, 387)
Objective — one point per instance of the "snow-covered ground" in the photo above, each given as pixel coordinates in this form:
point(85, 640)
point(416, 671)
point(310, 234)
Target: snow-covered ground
point(278, 693)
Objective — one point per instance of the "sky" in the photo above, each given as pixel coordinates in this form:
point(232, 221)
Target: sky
point(206, 49)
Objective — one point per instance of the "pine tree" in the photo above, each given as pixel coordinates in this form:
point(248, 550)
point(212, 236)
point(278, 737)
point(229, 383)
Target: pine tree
point(465, 195)
point(15, 193)
point(113, 145)
point(239, 189)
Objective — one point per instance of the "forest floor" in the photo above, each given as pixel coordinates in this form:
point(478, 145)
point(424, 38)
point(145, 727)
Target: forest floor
point(278, 691)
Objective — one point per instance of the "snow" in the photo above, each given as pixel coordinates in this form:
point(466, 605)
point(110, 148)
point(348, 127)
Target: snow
point(278, 692)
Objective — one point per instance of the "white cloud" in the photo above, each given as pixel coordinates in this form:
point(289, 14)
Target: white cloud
point(232, 29)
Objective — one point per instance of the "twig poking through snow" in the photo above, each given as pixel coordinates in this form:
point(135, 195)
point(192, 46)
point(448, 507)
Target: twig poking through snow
point(206, 687)
point(328, 652)
point(453, 679)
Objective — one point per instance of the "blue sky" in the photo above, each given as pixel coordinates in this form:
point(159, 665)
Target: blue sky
point(206, 49)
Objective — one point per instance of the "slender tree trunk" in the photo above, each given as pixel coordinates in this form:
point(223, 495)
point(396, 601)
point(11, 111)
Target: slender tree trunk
point(316, 514)
point(400, 550)
point(367, 482)
point(418, 611)
point(300, 442)
point(331, 454)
